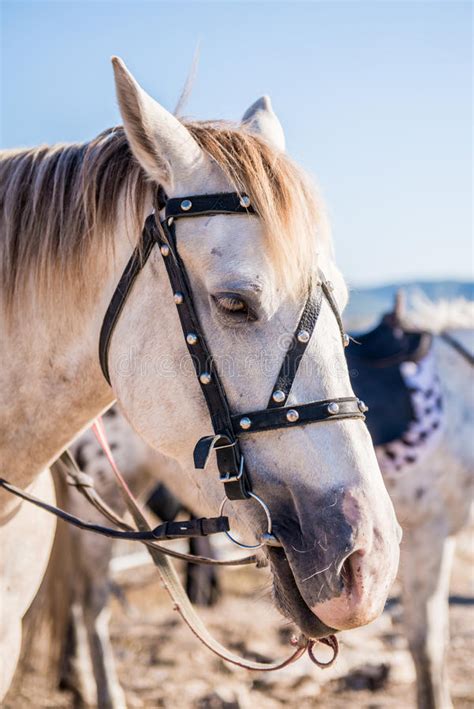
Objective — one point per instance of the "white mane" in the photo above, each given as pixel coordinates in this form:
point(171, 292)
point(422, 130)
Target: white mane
point(423, 314)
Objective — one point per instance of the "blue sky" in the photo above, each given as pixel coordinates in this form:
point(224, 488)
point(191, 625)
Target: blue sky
point(375, 98)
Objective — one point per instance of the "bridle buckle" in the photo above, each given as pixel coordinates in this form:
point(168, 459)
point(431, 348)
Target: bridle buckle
point(233, 477)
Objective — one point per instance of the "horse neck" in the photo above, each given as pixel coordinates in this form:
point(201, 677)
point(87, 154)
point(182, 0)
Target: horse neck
point(51, 384)
point(456, 453)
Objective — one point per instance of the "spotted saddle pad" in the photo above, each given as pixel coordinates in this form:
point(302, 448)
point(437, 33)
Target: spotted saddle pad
point(375, 363)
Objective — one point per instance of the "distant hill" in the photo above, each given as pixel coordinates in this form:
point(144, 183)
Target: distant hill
point(366, 305)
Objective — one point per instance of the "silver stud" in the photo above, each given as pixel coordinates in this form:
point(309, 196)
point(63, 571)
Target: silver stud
point(178, 297)
point(165, 250)
point(191, 338)
point(245, 423)
point(329, 285)
point(292, 415)
point(170, 221)
point(186, 205)
point(205, 378)
point(245, 201)
point(362, 406)
point(333, 408)
point(278, 396)
point(346, 339)
point(303, 336)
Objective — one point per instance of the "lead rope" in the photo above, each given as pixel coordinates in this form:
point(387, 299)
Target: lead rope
point(181, 602)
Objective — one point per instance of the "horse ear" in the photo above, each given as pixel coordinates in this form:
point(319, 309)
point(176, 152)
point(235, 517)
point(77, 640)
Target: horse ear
point(163, 146)
point(261, 120)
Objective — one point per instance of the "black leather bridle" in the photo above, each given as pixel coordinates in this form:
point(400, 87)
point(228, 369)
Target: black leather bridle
point(228, 427)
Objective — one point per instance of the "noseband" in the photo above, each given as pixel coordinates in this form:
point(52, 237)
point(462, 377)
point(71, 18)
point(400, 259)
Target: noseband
point(228, 427)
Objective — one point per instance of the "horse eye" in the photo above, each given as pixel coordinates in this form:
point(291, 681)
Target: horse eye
point(233, 307)
point(231, 303)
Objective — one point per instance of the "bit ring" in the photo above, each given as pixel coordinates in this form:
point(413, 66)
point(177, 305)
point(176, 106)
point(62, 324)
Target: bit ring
point(267, 515)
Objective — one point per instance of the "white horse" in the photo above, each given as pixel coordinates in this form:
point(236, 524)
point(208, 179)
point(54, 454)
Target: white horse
point(69, 218)
point(415, 370)
point(432, 495)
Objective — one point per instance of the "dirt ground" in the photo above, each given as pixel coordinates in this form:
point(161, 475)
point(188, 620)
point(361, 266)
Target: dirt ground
point(161, 664)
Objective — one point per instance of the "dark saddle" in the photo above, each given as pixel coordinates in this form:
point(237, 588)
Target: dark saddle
point(374, 362)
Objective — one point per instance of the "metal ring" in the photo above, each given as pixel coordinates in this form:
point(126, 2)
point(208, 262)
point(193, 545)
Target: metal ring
point(267, 514)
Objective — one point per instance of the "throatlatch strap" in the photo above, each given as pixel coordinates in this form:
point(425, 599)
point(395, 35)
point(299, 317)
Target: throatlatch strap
point(135, 264)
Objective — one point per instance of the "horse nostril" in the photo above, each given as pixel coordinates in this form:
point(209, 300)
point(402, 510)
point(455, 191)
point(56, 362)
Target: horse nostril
point(347, 574)
point(349, 568)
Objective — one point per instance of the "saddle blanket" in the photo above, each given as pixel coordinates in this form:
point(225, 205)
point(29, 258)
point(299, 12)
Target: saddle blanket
point(394, 372)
